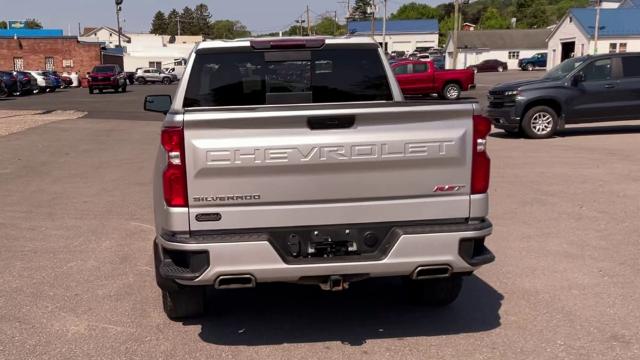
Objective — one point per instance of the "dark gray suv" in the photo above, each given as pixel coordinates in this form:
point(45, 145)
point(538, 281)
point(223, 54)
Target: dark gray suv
point(579, 90)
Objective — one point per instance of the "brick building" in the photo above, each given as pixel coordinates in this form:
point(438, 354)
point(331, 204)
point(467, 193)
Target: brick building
point(60, 53)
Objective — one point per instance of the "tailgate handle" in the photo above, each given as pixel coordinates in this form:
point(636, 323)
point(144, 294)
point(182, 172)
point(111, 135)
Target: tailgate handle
point(331, 122)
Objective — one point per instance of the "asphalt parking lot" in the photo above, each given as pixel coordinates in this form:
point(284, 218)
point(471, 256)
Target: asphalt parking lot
point(77, 277)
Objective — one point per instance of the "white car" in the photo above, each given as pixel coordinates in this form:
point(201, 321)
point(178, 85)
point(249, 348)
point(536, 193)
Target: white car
point(45, 84)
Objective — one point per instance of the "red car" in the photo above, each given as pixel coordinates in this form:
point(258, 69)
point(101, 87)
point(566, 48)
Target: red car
point(110, 77)
point(423, 78)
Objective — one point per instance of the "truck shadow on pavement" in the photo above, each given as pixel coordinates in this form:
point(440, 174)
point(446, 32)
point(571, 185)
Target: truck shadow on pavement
point(581, 131)
point(372, 309)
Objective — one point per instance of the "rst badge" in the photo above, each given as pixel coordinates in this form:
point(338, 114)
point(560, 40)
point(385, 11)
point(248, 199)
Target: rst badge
point(448, 188)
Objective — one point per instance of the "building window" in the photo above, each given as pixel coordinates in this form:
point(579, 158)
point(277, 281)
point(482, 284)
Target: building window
point(49, 63)
point(514, 55)
point(613, 48)
point(68, 63)
point(622, 47)
point(18, 64)
point(155, 64)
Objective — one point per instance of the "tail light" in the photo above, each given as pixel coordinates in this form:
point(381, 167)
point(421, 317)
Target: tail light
point(481, 163)
point(174, 177)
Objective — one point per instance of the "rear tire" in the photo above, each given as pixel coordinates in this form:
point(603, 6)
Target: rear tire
point(185, 302)
point(500, 69)
point(529, 67)
point(141, 81)
point(540, 122)
point(451, 92)
point(166, 81)
point(437, 292)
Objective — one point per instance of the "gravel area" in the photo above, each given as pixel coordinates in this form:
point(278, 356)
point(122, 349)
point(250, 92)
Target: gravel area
point(13, 121)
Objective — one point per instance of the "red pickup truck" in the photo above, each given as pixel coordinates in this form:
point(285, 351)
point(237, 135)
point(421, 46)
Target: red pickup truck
point(417, 77)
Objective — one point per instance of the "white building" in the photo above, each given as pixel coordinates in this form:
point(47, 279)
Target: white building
point(575, 34)
point(104, 34)
point(155, 51)
point(144, 50)
point(504, 45)
point(402, 35)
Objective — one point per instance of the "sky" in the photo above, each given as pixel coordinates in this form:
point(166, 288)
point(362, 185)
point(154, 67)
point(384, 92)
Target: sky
point(260, 16)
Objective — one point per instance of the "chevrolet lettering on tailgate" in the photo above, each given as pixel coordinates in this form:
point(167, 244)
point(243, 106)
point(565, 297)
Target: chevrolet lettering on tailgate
point(329, 153)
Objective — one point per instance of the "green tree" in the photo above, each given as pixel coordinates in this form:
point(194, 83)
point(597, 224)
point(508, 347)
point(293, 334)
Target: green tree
point(32, 24)
point(329, 26)
point(172, 22)
point(446, 28)
point(535, 14)
point(228, 29)
point(414, 10)
point(202, 20)
point(362, 10)
point(187, 22)
point(159, 25)
point(3, 24)
point(491, 19)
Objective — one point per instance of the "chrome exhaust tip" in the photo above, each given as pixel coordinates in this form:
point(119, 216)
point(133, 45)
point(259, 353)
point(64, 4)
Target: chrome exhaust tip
point(235, 282)
point(431, 272)
point(334, 283)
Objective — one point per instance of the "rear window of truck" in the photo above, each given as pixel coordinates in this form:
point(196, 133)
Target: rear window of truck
point(250, 78)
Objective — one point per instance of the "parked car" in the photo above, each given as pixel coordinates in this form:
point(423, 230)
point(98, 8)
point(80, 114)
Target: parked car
point(424, 78)
point(45, 83)
point(107, 77)
point(3, 89)
point(579, 90)
point(28, 83)
point(491, 65)
point(11, 83)
point(416, 207)
point(67, 81)
point(55, 79)
point(149, 75)
point(538, 60)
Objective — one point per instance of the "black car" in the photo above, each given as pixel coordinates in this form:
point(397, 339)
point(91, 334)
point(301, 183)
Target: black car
point(3, 90)
point(491, 65)
point(28, 84)
point(11, 83)
point(579, 90)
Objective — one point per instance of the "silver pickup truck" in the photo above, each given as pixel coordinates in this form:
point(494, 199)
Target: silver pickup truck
point(298, 160)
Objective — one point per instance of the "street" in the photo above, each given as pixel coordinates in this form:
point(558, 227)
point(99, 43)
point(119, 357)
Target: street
point(78, 279)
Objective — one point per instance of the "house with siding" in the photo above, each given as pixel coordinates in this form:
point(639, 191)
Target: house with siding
point(619, 31)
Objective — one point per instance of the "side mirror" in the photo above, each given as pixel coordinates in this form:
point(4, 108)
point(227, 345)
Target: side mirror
point(157, 103)
point(577, 79)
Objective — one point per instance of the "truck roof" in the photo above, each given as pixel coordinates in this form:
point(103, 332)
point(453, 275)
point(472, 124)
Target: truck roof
point(209, 44)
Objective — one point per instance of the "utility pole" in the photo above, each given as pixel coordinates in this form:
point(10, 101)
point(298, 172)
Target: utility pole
point(308, 22)
point(178, 20)
point(597, 29)
point(118, 9)
point(373, 19)
point(456, 20)
point(335, 23)
point(384, 28)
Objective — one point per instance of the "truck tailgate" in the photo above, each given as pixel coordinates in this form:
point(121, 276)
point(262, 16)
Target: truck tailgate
point(267, 168)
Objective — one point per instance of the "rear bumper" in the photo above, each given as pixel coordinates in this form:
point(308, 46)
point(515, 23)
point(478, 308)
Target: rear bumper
point(103, 84)
point(459, 245)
